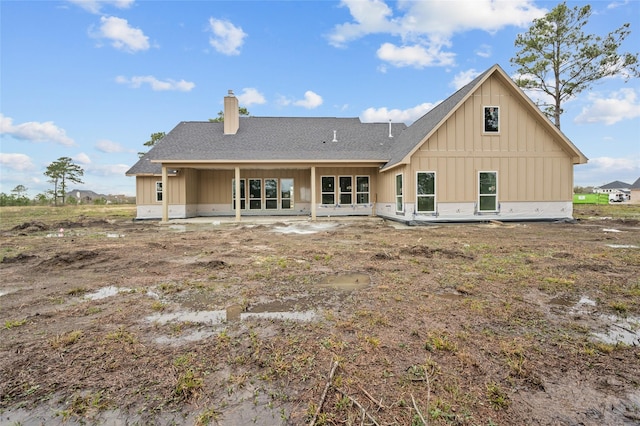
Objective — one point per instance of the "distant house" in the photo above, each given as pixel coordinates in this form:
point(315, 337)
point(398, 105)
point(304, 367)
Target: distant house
point(615, 186)
point(486, 152)
point(621, 190)
point(635, 191)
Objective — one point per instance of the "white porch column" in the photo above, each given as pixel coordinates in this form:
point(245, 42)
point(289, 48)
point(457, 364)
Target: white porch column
point(237, 194)
point(313, 193)
point(165, 198)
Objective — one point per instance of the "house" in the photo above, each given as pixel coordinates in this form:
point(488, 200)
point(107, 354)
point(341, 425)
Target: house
point(618, 188)
point(635, 192)
point(484, 153)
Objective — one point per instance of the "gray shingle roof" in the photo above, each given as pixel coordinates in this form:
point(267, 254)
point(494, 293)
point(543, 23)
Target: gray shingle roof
point(636, 184)
point(273, 138)
point(616, 184)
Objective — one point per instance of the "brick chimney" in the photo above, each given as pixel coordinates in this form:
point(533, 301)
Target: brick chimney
point(231, 114)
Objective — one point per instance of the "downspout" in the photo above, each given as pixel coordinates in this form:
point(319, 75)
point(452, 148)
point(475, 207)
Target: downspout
point(313, 193)
point(238, 204)
point(165, 199)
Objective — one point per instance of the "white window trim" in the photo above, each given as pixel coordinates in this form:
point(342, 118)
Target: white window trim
point(264, 193)
point(322, 192)
point(395, 190)
point(493, 195)
point(248, 193)
point(158, 192)
point(484, 131)
point(368, 191)
point(233, 187)
point(435, 190)
point(281, 198)
point(339, 188)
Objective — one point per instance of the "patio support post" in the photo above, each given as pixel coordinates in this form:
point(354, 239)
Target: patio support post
point(313, 193)
point(165, 198)
point(237, 183)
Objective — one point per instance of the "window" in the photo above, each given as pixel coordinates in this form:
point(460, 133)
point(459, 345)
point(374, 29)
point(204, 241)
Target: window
point(271, 194)
point(346, 195)
point(255, 194)
point(286, 193)
point(491, 119)
point(488, 191)
point(243, 197)
point(362, 189)
point(426, 192)
point(399, 200)
point(159, 191)
point(328, 190)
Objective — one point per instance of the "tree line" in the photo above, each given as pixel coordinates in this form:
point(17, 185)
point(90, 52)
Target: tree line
point(61, 173)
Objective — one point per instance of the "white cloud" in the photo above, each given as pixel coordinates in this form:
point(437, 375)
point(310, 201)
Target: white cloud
point(425, 28)
point(463, 78)
point(417, 56)
point(110, 147)
point(251, 96)
point(408, 116)
point(311, 100)
point(617, 4)
point(620, 105)
point(157, 85)
point(602, 170)
point(17, 162)
point(95, 6)
point(106, 170)
point(35, 131)
point(484, 51)
point(82, 158)
point(227, 38)
point(122, 35)
point(370, 16)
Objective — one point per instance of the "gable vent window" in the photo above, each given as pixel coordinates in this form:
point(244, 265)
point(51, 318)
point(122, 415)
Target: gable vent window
point(491, 119)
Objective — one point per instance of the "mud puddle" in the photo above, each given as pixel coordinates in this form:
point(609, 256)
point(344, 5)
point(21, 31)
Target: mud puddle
point(609, 329)
point(304, 228)
point(346, 282)
point(105, 292)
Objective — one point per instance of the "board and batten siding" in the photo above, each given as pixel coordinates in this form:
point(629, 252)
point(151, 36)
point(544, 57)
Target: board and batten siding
point(146, 189)
point(532, 166)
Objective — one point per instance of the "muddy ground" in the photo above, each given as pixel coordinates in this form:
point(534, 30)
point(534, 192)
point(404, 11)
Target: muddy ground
point(335, 322)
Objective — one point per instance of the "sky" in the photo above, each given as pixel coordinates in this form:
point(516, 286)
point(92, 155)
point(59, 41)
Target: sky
point(92, 80)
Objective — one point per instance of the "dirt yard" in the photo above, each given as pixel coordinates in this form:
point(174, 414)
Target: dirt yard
point(340, 322)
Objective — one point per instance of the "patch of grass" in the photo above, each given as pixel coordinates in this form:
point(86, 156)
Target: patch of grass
point(121, 335)
point(440, 341)
point(93, 310)
point(17, 215)
point(373, 341)
point(80, 405)
point(158, 306)
point(183, 360)
point(78, 291)
point(188, 386)
point(621, 308)
point(9, 324)
point(67, 339)
point(515, 356)
point(497, 397)
point(207, 416)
